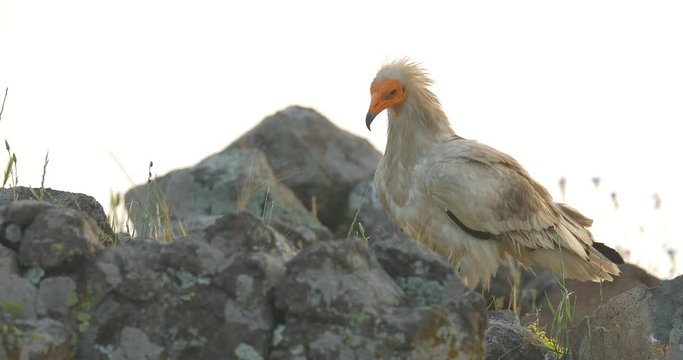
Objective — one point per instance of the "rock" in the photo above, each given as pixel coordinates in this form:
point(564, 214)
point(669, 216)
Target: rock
point(332, 280)
point(8, 261)
point(46, 237)
point(508, 339)
point(314, 158)
point(298, 235)
point(232, 180)
point(55, 295)
point(243, 231)
point(77, 201)
point(427, 280)
point(15, 217)
point(205, 296)
point(36, 306)
point(420, 273)
point(36, 339)
point(135, 344)
point(591, 294)
point(18, 297)
point(642, 323)
point(338, 303)
point(56, 238)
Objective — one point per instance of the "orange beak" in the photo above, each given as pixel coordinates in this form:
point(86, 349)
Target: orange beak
point(384, 94)
point(375, 109)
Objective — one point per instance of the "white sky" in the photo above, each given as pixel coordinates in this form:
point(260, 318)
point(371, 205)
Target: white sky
point(576, 89)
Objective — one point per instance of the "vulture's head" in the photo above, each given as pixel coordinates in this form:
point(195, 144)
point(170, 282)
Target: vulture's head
point(397, 83)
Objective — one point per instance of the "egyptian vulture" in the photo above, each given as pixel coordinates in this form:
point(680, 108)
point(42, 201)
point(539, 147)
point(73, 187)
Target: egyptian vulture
point(467, 201)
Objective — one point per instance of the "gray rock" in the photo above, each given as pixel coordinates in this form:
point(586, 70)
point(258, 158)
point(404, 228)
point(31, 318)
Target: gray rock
point(642, 323)
point(428, 280)
point(36, 339)
point(314, 158)
point(18, 297)
point(77, 201)
point(242, 230)
point(507, 339)
point(232, 180)
point(205, 296)
point(135, 345)
point(57, 238)
point(404, 259)
point(47, 238)
point(15, 217)
point(338, 303)
point(8, 261)
point(298, 235)
point(55, 295)
point(331, 280)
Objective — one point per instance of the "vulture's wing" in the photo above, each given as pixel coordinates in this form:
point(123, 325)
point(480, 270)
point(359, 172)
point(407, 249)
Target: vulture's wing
point(490, 196)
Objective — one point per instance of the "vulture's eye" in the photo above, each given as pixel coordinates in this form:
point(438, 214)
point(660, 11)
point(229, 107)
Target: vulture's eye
point(393, 92)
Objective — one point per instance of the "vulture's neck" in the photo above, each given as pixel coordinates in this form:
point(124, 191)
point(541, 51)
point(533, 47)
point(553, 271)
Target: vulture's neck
point(419, 126)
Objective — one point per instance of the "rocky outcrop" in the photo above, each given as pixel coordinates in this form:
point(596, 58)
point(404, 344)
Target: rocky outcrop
point(237, 289)
point(338, 302)
point(39, 244)
point(295, 169)
point(203, 297)
point(232, 180)
point(258, 274)
point(314, 158)
point(36, 339)
point(642, 323)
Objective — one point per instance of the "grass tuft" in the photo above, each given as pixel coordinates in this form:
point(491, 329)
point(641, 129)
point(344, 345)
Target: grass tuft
point(355, 217)
point(151, 220)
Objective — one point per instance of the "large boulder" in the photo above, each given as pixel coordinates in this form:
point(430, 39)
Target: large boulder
point(642, 323)
point(232, 180)
point(237, 289)
point(36, 339)
point(45, 237)
point(338, 303)
point(314, 158)
point(203, 297)
point(43, 253)
point(58, 238)
point(8, 261)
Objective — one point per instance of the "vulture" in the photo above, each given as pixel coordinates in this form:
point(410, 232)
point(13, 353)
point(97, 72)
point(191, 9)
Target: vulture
point(469, 202)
